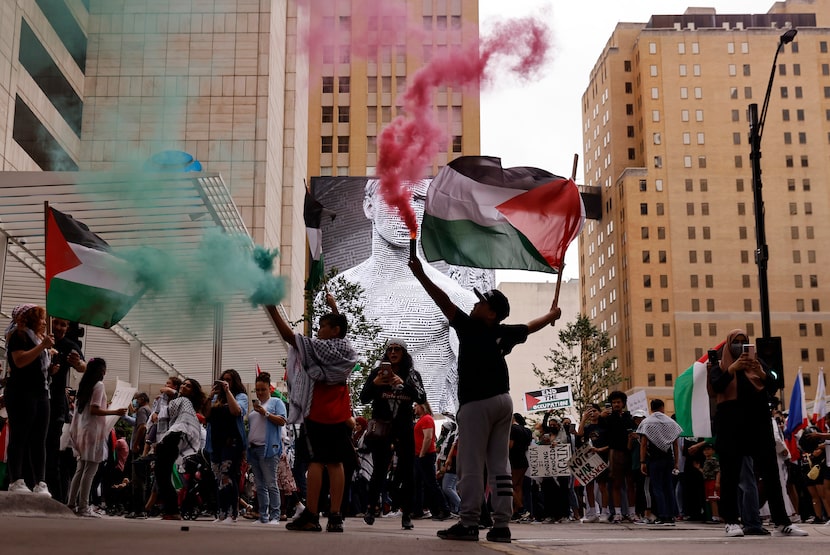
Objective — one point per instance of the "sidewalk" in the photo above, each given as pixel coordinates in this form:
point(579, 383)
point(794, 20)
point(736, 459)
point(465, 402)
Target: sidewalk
point(31, 524)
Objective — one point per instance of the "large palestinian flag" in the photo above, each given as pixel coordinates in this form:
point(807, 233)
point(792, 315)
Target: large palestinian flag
point(85, 282)
point(480, 215)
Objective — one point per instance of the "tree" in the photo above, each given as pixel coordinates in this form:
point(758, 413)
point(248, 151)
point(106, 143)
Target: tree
point(363, 332)
point(582, 363)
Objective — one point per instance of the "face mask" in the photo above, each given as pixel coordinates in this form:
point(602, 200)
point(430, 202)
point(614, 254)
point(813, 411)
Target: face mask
point(735, 349)
point(135, 403)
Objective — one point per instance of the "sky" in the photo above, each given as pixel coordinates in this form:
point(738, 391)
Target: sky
point(540, 123)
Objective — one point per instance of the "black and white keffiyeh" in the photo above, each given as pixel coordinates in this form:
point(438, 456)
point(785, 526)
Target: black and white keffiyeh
point(183, 419)
point(315, 360)
point(660, 430)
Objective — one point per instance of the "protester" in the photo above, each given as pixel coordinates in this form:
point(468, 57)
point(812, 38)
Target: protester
point(425, 457)
point(28, 352)
point(486, 408)
point(659, 460)
point(227, 439)
point(743, 428)
point(392, 387)
point(138, 482)
point(592, 434)
point(619, 427)
point(520, 438)
point(69, 356)
point(318, 373)
point(182, 439)
point(266, 419)
point(89, 432)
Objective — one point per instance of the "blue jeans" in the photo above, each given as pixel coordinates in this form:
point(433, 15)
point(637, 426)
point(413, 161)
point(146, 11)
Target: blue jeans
point(449, 486)
point(659, 472)
point(265, 475)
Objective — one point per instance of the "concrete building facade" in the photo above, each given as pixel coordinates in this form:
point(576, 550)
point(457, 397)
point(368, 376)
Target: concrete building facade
point(670, 268)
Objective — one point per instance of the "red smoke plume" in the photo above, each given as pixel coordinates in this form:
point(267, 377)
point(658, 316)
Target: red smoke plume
point(409, 143)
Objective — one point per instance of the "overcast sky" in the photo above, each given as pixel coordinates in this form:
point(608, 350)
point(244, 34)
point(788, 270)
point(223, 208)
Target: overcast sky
point(540, 124)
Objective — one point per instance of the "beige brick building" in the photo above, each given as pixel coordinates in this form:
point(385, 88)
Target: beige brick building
point(669, 270)
point(355, 92)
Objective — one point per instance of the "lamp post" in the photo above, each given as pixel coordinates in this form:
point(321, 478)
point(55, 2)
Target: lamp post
point(767, 345)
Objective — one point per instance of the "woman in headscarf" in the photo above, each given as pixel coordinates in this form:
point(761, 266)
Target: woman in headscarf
point(392, 388)
point(743, 428)
point(28, 351)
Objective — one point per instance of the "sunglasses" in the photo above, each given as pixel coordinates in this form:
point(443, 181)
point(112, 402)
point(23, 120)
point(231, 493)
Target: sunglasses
point(394, 348)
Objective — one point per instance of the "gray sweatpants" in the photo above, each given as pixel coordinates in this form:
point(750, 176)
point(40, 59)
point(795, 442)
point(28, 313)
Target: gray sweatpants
point(483, 441)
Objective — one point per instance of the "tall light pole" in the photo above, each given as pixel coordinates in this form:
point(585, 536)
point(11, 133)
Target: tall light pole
point(769, 348)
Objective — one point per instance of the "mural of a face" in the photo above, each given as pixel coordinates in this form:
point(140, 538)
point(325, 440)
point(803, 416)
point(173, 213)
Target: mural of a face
point(386, 220)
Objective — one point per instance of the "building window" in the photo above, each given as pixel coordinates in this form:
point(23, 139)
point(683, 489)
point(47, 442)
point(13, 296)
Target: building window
point(697, 329)
point(343, 145)
point(647, 305)
point(328, 114)
point(326, 145)
point(328, 84)
point(456, 143)
point(343, 114)
point(652, 378)
point(343, 84)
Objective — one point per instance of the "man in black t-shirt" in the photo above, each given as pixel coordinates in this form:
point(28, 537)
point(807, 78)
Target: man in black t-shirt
point(485, 407)
point(619, 426)
point(69, 356)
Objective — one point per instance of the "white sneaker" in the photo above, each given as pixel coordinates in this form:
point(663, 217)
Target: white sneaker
point(734, 531)
point(274, 522)
point(42, 489)
point(789, 530)
point(592, 518)
point(19, 486)
point(88, 513)
point(299, 510)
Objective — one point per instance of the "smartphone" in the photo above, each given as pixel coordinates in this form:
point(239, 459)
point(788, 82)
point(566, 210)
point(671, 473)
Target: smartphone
point(608, 405)
point(712, 355)
point(750, 350)
point(255, 402)
point(386, 370)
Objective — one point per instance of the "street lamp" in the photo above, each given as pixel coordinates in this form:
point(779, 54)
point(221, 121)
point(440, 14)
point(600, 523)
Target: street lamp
point(769, 348)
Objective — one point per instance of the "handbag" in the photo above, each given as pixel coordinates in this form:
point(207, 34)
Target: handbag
point(814, 472)
point(377, 431)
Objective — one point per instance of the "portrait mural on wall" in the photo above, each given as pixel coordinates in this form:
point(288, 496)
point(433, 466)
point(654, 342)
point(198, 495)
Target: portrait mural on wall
point(369, 244)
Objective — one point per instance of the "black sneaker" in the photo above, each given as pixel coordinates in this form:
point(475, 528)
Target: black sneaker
point(369, 518)
point(406, 522)
point(335, 523)
point(306, 522)
point(501, 535)
point(459, 532)
point(443, 515)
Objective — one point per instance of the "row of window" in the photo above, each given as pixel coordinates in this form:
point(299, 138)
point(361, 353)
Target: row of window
point(709, 281)
point(730, 49)
point(327, 144)
point(396, 24)
point(800, 305)
point(703, 187)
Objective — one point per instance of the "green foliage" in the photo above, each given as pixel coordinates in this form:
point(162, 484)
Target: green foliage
point(363, 332)
point(582, 362)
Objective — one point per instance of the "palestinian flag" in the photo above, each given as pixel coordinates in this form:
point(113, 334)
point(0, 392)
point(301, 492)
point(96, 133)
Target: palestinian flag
point(85, 282)
point(313, 213)
point(480, 215)
point(691, 399)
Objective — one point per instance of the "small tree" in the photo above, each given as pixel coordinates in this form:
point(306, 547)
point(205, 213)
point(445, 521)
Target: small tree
point(363, 332)
point(582, 362)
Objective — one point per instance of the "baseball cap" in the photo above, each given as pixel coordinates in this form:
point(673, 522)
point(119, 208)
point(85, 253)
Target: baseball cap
point(639, 413)
point(497, 301)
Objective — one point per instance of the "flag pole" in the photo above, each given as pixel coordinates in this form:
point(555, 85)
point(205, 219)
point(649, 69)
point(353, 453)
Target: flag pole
point(562, 263)
point(45, 243)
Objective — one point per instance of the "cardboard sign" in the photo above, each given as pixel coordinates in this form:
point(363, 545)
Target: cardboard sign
point(121, 399)
point(550, 398)
point(548, 461)
point(586, 466)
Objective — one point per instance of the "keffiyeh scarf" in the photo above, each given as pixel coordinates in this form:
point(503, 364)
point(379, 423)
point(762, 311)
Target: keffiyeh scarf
point(183, 419)
point(315, 360)
point(660, 430)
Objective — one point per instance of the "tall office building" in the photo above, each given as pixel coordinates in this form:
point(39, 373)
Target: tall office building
point(108, 84)
point(669, 269)
point(365, 54)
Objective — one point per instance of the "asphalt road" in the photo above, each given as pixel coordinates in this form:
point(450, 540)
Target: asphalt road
point(43, 526)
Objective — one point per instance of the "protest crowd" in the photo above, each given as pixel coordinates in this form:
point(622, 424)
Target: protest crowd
point(221, 452)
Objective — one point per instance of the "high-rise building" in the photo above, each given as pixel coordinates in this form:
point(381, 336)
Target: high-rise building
point(669, 269)
point(107, 84)
point(364, 55)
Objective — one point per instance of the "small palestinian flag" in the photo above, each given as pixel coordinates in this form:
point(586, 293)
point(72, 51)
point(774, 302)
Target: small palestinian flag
point(85, 282)
point(313, 214)
point(481, 215)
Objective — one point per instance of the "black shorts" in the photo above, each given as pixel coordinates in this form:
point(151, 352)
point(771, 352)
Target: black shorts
point(329, 443)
